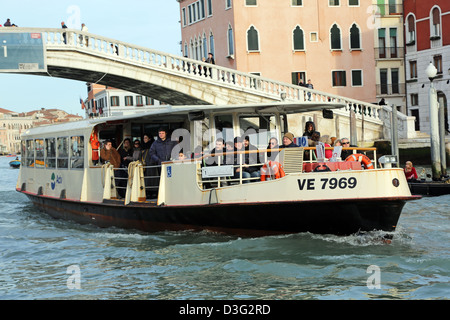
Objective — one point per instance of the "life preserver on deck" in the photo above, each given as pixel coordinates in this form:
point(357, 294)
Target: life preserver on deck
point(364, 160)
point(322, 168)
point(272, 169)
point(95, 144)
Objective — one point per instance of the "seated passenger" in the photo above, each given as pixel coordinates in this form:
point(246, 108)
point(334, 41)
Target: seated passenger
point(288, 141)
point(273, 144)
point(251, 158)
point(346, 144)
point(239, 161)
point(410, 172)
point(217, 154)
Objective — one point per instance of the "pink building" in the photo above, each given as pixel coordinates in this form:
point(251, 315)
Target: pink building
point(330, 42)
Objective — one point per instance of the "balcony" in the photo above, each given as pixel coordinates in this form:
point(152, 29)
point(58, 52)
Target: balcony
point(391, 89)
point(390, 9)
point(390, 53)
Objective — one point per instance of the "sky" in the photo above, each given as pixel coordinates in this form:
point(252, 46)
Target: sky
point(152, 24)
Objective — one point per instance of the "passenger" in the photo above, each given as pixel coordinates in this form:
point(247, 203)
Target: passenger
point(251, 158)
point(333, 140)
point(159, 152)
point(182, 156)
point(273, 144)
point(147, 142)
point(337, 143)
point(145, 148)
point(109, 154)
point(310, 128)
point(410, 172)
point(161, 149)
point(288, 141)
point(126, 154)
point(345, 144)
point(137, 152)
point(217, 154)
point(239, 160)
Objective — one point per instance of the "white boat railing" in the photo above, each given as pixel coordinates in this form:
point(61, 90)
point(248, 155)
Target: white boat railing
point(140, 183)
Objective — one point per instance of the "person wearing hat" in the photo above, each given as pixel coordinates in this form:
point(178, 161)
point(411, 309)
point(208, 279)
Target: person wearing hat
point(288, 141)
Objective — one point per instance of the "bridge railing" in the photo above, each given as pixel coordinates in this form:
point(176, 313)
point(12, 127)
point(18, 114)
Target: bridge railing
point(70, 39)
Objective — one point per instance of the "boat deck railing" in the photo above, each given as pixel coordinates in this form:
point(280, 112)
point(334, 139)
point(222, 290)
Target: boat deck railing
point(140, 183)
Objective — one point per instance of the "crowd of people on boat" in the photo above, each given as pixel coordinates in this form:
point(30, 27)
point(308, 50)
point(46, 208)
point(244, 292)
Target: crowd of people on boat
point(239, 152)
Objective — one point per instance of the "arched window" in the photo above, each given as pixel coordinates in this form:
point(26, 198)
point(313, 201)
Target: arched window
point(411, 29)
point(335, 36)
point(299, 40)
point(436, 23)
point(252, 39)
point(355, 39)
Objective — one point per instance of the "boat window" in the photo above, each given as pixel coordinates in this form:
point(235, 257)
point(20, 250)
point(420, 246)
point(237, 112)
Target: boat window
point(224, 125)
point(77, 152)
point(40, 151)
point(63, 153)
point(29, 160)
point(259, 129)
point(50, 148)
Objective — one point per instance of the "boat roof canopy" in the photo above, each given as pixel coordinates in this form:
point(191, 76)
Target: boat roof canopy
point(192, 112)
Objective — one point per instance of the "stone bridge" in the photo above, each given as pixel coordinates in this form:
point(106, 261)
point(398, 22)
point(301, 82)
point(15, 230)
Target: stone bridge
point(77, 55)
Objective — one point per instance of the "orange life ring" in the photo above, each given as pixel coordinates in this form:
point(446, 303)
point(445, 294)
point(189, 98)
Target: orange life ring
point(95, 144)
point(272, 169)
point(364, 160)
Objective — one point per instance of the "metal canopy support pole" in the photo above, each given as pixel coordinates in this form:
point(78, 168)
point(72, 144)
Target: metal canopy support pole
point(394, 133)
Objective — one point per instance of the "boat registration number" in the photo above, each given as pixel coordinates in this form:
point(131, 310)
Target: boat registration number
point(326, 183)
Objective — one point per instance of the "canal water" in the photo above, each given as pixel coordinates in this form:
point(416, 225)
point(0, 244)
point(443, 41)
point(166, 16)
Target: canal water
point(44, 258)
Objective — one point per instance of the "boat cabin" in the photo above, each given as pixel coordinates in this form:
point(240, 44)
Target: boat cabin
point(61, 160)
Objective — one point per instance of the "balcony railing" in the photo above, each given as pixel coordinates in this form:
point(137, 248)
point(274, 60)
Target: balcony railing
point(391, 89)
point(390, 53)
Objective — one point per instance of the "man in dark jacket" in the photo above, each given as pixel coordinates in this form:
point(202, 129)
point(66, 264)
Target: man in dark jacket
point(288, 141)
point(160, 151)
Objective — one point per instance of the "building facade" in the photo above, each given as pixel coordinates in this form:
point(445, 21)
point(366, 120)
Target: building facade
point(390, 53)
point(427, 39)
point(106, 101)
point(13, 124)
point(330, 42)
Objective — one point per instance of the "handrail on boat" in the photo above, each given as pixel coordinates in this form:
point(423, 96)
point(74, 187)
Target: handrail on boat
point(134, 183)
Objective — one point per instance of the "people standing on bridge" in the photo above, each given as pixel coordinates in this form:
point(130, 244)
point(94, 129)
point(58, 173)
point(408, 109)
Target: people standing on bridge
point(309, 85)
point(86, 38)
point(63, 25)
point(211, 61)
point(7, 23)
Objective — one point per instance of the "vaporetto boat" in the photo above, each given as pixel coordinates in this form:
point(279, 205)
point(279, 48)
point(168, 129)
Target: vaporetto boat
point(60, 175)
